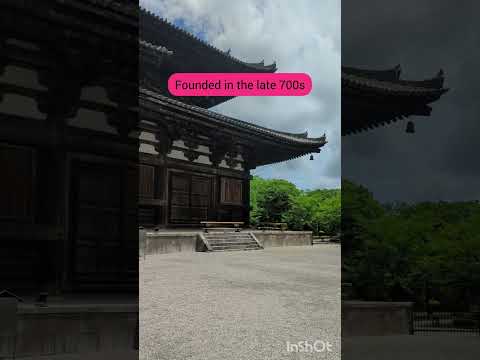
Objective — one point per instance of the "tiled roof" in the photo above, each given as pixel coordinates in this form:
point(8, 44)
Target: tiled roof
point(301, 139)
point(195, 42)
point(388, 82)
point(372, 98)
point(126, 7)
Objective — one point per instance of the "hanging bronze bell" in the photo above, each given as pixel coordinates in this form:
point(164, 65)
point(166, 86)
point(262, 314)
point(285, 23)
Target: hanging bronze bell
point(410, 128)
point(311, 157)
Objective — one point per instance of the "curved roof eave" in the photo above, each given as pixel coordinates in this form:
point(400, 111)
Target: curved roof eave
point(287, 138)
point(389, 81)
point(400, 88)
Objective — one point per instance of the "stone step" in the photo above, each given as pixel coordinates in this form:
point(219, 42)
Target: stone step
point(225, 235)
point(232, 244)
point(318, 242)
point(228, 243)
point(225, 248)
point(230, 239)
point(238, 249)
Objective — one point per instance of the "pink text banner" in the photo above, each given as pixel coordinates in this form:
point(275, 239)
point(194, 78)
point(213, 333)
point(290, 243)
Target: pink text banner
point(239, 84)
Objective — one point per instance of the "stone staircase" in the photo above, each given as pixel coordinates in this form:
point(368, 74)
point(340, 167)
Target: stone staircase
point(320, 240)
point(317, 240)
point(230, 241)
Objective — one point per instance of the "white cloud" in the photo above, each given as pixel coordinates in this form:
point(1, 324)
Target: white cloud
point(301, 36)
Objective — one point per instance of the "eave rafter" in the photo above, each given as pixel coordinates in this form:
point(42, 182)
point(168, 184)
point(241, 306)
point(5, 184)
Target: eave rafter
point(226, 130)
point(372, 98)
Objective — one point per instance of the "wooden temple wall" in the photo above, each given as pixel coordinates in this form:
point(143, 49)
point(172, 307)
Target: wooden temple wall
point(68, 191)
point(177, 192)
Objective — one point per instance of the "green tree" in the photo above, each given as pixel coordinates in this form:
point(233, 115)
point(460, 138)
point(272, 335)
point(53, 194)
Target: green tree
point(358, 209)
point(280, 201)
point(427, 252)
point(270, 199)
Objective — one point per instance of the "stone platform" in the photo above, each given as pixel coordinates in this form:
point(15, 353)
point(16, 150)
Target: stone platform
point(376, 318)
point(171, 241)
point(71, 326)
point(411, 347)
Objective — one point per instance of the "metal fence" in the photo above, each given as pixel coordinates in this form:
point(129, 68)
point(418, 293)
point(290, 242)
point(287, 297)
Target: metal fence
point(447, 322)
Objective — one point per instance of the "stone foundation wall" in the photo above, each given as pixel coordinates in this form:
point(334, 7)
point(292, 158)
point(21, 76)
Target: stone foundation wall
point(158, 242)
point(164, 242)
point(371, 318)
point(273, 238)
point(64, 329)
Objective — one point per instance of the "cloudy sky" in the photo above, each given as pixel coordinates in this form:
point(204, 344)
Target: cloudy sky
point(441, 160)
point(301, 36)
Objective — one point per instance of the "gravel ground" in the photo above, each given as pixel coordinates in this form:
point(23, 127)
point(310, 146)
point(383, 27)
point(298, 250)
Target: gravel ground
point(240, 305)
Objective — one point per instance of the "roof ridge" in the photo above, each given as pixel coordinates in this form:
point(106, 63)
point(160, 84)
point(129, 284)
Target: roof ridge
point(420, 88)
point(383, 74)
point(227, 54)
point(127, 8)
point(392, 76)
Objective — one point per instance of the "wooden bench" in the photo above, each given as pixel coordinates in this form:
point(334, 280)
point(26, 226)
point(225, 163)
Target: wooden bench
point(272, 226)
point(222, 225)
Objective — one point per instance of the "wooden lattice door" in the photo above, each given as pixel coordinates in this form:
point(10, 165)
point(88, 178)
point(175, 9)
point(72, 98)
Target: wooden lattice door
point(99, 226)
point(190, 198)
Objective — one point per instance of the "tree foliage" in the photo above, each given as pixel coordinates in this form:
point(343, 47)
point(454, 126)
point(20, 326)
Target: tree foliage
point(359, 208)
point(426, 252)
point(281, 201)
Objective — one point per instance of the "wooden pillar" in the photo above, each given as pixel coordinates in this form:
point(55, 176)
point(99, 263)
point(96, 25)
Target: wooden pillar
point(165, 137)
point(218, 150)
point(248, 164)
point(125, 121)
point(162, 191)
point(246, 196)
point(59, 104)
point(3, 60)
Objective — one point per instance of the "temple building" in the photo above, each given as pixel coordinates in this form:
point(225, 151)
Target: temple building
point(68, 146)
point(195, 163)
point(373, 98)
point(91, 144)
point(72, 102)
point(68, 177)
